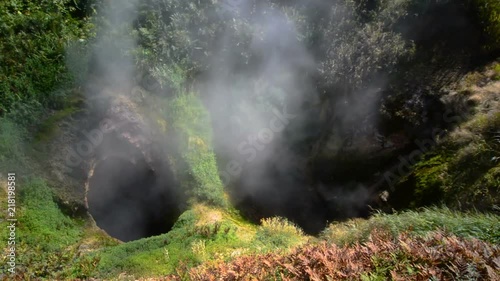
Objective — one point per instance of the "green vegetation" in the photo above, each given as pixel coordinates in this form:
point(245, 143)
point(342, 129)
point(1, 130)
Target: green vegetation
point(32, 61)
point(462, 171)
point(43, 62)
point(46, 238)
point(49, 127)
point(278, 233)
point(496, 69)
point(384, 253)
point(201, 234)
point(12, 137)
point(489, 17)
point(52, 241)
point(191, 121)
point(420, 222)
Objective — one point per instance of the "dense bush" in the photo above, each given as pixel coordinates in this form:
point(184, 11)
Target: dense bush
point(355, 48)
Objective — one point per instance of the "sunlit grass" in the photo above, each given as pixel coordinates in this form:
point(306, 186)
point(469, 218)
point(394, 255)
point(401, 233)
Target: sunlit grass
point(418, 222)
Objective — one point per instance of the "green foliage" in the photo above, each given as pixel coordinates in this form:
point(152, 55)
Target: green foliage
point(356, 49)
point(32, 62)
point(279, 234)
point(489, 17)
point(461, 171)
point(496, 69)
point(191, 121)
point(188, 115)
point(169, 35)
point(431, 179)
point(43, 222)
point(27, 114)
point(12, 137)
point(483, 226)
point(190, 242)
point(46, 237)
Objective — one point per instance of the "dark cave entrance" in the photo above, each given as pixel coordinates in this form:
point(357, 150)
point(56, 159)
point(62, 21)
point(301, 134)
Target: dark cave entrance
point(130, 201)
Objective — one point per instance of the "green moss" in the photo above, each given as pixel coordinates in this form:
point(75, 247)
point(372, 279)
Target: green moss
point(456, 172)
point(431, 177)
point(43, 222)
point(200, 234)
point(50, 126)
point(496, 69)
point(191, 121)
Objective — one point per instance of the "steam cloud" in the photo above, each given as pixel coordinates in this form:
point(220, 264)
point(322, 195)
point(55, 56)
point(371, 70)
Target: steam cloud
point(131, 195)
point(265, 102)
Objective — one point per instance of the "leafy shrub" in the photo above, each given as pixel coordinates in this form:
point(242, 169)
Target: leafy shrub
point(489, 17)
point(27, 114)
point(357, 49)
point(34, 37)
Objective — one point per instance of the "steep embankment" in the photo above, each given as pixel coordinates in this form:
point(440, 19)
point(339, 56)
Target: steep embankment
point(459, 164)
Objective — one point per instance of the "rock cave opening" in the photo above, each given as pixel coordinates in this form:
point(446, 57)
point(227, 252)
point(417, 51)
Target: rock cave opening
point(129, 200)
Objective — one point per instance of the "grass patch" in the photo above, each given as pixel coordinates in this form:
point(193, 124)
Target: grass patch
point(482, 226)
point(201, 234)
point(47, 239)
point(279, 234)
